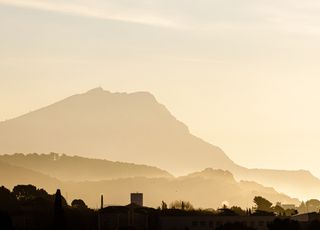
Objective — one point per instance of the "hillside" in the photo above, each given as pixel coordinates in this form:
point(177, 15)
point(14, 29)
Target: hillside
point(208, 188)
point(133, 128)
point(74, 168)
point(206, 192)
point(11, 176)
point(297, 183)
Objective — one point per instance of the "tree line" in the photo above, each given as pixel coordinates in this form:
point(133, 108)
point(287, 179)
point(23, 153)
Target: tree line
point(32, 208)
point(37, 209)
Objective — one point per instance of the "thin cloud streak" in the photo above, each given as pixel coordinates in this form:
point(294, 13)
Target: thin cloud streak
point(289, 17)
point(77, 9)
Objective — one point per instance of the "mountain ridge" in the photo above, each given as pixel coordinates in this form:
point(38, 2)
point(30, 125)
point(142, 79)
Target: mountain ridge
point(206, 192)
point(75, 168)
point(118, 126)
point(135, 128)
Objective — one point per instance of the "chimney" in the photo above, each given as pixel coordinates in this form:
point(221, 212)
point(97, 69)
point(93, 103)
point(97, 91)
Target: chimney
point(101, 201)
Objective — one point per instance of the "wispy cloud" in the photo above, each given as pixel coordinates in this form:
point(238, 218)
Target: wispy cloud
point(86, 11)
point(290, 16)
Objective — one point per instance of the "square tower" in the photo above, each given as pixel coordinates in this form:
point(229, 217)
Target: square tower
point(137, 198)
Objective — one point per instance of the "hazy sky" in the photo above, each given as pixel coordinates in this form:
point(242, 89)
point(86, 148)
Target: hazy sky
point(243, 75)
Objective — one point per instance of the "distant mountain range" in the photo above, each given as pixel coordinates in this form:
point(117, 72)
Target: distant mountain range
point(67, 168)
point(132, 128)
point(206, 189)
point(205, 192)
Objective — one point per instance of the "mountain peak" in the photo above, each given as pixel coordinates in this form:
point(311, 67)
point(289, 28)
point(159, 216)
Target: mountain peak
point(129, 127)
point(210, 173)
point(97, 90)
point(139, 95)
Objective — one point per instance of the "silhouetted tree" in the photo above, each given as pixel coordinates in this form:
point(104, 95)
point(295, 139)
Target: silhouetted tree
point(225, 211)
point(284, 224)
point(25, 192)
point(8, 201)
point(58, 215)
point(249, 211)
point(43, 211)
point(290, 212)
point(78, 203)
point(279, 210)
point(302, 208)
point(183, 205)
point(164, 205)
point(313, 205)
point(29, 192)
point(239, 211)
point(262, 204)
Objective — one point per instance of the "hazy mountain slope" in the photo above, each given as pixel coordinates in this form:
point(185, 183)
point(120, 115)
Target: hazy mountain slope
point(298, 183)
point(12, 175)
point(114, 126)
point(205, 192)
point(77, 168)
point(132, 128)
point(204, 189)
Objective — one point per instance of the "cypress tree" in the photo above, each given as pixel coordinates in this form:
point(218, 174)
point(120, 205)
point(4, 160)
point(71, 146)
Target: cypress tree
point(58, 215)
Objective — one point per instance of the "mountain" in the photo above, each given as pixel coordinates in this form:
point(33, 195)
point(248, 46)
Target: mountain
point(133, 128)
point(115, 126)
point(74, 168)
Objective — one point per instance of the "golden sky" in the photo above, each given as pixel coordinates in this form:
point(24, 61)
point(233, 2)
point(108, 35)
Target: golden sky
point(243, 75)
